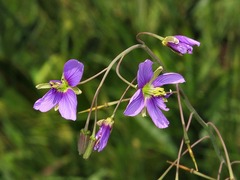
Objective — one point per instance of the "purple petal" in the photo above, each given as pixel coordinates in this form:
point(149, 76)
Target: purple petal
point(145, 73)
point(135, 105)
point(187, 40)
point(102, 137)
point(73, 71)
point(156, 114)
point(160, 103)
point(68, 105)
point(181, 48)
point(48, 101)
point(168, 78)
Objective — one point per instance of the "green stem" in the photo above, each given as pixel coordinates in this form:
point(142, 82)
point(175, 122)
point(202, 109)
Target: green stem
point(150, 34)
point(192, 146)
point(105, 105)
point(185, 135)
point(225, 151)
point(121, 99)
point(92, 77)
point(202, 122)
point(120, 76)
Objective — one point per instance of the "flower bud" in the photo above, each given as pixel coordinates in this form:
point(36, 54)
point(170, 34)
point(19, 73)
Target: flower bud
point(89, 149)
point(83, 141)
point(180, 44)
point(103, 134)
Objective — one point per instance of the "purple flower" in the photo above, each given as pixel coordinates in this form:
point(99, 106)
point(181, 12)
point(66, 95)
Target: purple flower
point(103, 134)
point(150, 96)
point(62, 94)
point(180, 44)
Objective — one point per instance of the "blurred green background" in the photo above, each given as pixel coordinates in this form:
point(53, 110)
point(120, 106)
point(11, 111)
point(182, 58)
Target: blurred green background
point(37, 37)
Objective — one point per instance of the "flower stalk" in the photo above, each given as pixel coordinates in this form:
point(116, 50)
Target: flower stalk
point(185, 135)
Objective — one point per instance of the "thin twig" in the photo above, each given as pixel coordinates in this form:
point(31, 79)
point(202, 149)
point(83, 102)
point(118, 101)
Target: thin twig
point(220, 170)
point(147, 33)
point(92, 77)
point(121, 98)
point(170, 167)
point(231, 176)
point(185, 135)
point(105, 105)
point(120, 76)
point(193, 171)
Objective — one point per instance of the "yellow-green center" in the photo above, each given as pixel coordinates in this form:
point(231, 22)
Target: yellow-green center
point(60, 86)
point(148, 91)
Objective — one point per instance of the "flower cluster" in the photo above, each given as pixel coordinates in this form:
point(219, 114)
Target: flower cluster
point(150, 96)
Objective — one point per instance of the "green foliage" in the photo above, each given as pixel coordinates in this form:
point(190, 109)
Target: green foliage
point(37, 37)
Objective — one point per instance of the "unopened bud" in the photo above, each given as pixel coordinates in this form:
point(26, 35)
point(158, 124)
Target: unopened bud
point(83, 141)
point(89, 149)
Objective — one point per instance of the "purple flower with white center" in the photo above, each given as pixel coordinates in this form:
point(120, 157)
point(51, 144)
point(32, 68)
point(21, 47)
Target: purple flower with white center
point(62, 94)
point(151, 96)
point(180, 44)
point(103, 134)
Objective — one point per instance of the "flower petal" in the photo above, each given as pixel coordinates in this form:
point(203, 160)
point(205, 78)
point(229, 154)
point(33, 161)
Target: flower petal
point(73, 71)
point(160, 103)
point(145, 73)
point(102, 137)
point(181, 48)
point(68, 105)
point(156, 114)
point(136, 104)
point(168, 78)
point(187, 40)
point(48, 101)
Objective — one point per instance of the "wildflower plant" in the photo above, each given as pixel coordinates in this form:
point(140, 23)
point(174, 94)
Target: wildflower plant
point(150, 100)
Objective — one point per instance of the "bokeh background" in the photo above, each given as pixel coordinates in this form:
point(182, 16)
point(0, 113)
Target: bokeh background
point(37, 37)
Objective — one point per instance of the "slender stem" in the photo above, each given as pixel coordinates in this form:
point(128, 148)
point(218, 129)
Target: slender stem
point(225, 151)
point(185, 135)
point(150, 34)
point(92, 77)
point(220, 170)
point(169, 168)
point(185, 132)
point(181, 145)
point(235, 162)
point(105, 75)
point(150, 53)
point(204, 125)
point(186, 140)
point(95, 120)
point(105, 105)
point(193, 171)
point(121, 99)
point(120, 76)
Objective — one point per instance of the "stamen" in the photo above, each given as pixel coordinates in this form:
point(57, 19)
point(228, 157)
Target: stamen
point(149, 90)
